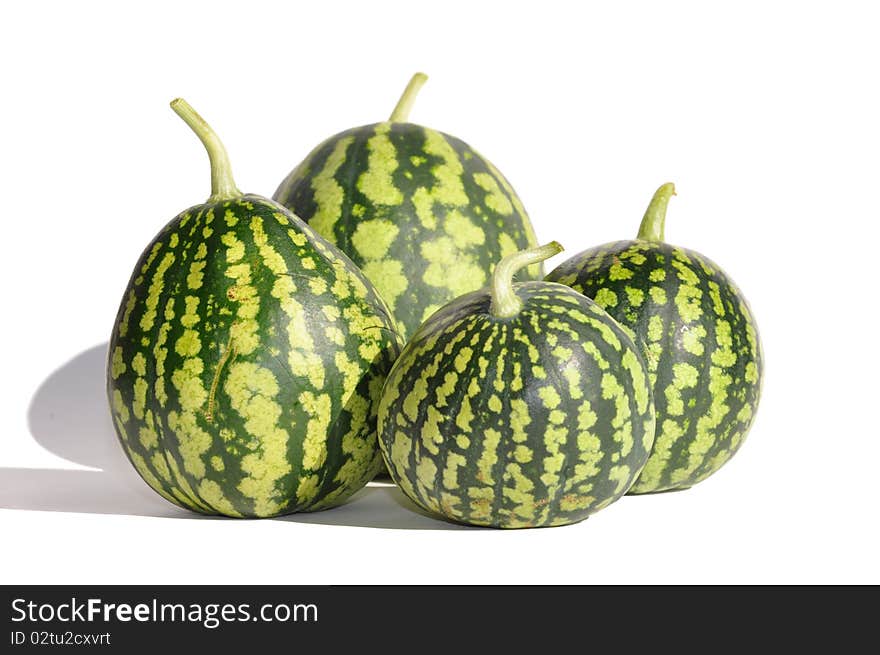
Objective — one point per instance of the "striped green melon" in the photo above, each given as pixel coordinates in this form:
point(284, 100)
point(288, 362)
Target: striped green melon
point(421, 212)
point(519, 406)
point(247, 358)
point(700, 342)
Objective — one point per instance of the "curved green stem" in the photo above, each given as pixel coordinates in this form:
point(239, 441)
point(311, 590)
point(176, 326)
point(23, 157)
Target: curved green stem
point(222, 185)
point(505, 302)
point(405, 104)
point(654, 221)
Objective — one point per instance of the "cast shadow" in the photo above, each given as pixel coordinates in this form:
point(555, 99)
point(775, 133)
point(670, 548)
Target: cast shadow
point(68, 416)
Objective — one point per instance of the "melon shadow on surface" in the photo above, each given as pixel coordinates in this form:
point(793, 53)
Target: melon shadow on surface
point(69, 417)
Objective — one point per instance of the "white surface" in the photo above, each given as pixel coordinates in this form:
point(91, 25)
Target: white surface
point(764, 116)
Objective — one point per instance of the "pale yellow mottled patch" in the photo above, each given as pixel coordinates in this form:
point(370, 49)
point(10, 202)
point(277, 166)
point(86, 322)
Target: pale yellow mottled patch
point(586, 416)
point(252, 392)
point(117, 364)
point(234, 247)
point(140, 398)
point(335, 335)
point(192, 442)
point(723, 355)
point(448, 188)
point(657, 275)
point(188, 344)
point(658, 295)
point(574, 502)
point(684, 376)
point(244, 330)
point(606, 298)
point(160, 352)
point(161, 467)
point(152, 256)
point(126, 313)
point(549, 396)
point(119, 406)
point(489, 456)
point(449, 268)
point(147, 434)
point(523, 454)
point(331, 312)
point(496, 200)
point(315, 444)
point(691, 340)
point(619, 272)
point(463, 231)
point(328, 193)
point(426, 473)
point(376, 183)
point(272, 259)
point(516, 384)
point(196, 275)
point(414, 397)
point(636, 371)
point(157, 284)
point(613, 390)
point(446, 388)
point(507, 245)
point(751, 373)
point(705, 437)
point(635, 296)
point(298, 238)
point(667, 434)
point(307, 488)
point(454, 461)
point(715, 296)
point(212, 494)
point(684, 272)
point(373, 238)
point(687, 301)
point(463, 358)
point(621, 475)
point(465, 414)
point(430, 432)
point(389, 279)
point(554, 438)
point(350, 370)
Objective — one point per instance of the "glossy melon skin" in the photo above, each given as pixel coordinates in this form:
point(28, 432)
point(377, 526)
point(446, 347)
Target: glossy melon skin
point(536, 420)
point(699, 340)
point(423, 214)
point(246, 363)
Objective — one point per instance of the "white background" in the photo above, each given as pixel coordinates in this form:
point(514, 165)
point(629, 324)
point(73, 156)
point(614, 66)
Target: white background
point(765, 115)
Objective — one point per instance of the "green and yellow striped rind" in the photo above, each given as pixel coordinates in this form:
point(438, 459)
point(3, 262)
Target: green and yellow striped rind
point(540, 419)
point(246, 364)
point(421, 213)
point(700, 343)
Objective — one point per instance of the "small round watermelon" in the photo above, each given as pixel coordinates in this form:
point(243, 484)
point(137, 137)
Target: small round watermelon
point(698, 337)
point(517, 406)
point(247, 358)
point(421, 212)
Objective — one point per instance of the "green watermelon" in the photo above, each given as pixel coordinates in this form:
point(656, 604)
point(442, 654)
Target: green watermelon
point(247, 358)
point(517, 406)
point(421, 212)
point(698, 337)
